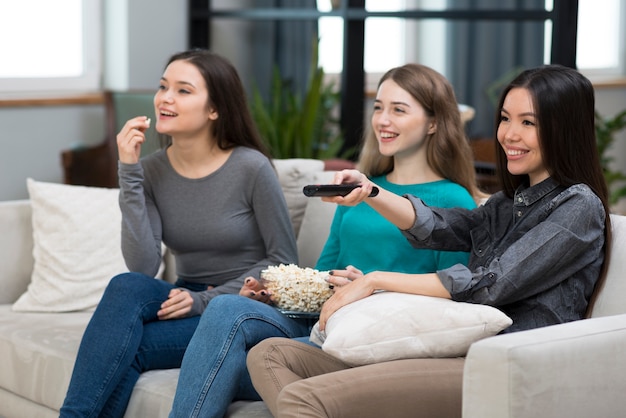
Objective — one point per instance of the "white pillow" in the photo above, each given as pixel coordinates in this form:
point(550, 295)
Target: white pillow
point(77, 236)
point(293, 175)
point(390, 326)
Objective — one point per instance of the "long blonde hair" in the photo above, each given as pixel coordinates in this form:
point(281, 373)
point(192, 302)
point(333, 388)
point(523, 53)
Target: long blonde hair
point(448, 151)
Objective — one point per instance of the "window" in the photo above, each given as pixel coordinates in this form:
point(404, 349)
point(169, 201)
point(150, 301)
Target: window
point(389, 42)
point(600, 45)
point(50, 45)
point(601, 51)
point(381, 34)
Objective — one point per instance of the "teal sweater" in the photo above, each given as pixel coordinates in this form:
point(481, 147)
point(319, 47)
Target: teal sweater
point(360, 237)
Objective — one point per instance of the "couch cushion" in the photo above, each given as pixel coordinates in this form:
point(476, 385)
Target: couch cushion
point(16, 247)
point(294, 174)
point(76, 232)
point(77, 235)
point(610, 300)
point(315, 227)
point(38, 351)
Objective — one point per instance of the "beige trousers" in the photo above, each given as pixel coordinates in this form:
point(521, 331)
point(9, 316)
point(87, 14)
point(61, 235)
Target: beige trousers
point(298, 380)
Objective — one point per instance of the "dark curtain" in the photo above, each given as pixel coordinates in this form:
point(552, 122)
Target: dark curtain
point(484, 54)
point(285, 43)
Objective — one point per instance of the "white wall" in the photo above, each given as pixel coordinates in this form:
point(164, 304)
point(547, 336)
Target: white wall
point(140, 36)
point(32, 138)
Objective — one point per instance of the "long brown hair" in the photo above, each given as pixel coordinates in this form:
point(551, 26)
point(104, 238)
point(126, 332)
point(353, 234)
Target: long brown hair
point(447, 150)
point(564, 105)
point(234, 126)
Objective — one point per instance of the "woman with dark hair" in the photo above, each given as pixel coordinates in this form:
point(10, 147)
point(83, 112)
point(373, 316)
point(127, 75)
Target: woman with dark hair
point(416, 145)
point(213, 198)
point(235, 126)
point(537, 252)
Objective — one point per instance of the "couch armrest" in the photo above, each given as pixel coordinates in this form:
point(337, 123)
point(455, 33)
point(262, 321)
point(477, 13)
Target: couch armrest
point(16, 249)
point(569, 370)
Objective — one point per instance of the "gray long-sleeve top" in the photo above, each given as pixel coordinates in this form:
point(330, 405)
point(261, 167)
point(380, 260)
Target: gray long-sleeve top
point(536, 257)
point(221, 228)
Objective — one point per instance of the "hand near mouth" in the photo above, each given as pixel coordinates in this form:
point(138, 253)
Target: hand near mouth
point(130, 138)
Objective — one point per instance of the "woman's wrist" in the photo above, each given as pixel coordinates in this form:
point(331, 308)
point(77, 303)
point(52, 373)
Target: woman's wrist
point(375, 281)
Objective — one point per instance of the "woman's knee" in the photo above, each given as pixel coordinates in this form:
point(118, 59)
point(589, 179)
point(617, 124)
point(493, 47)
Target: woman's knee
point(256, 358)
point(224, 301)
point(223, 315)
point(298, 399)
point(229, 306)
point(133, 286)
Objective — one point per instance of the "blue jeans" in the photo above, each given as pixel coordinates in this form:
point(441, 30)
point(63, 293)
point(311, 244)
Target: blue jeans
point(123, 339)
point(214, 372)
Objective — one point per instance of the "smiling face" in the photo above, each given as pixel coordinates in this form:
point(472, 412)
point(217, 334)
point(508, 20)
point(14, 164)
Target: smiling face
point(519, 138)
point(181, 103)
point(399, 122)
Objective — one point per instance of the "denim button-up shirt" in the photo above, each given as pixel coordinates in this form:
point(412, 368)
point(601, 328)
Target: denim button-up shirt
point(536, 257)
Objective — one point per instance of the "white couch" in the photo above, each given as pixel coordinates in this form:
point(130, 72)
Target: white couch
point(37, 350)
point(573, 370)
point(570, 370)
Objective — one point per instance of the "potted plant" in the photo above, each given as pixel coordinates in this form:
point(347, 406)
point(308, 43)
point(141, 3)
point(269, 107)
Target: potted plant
point(299, 127)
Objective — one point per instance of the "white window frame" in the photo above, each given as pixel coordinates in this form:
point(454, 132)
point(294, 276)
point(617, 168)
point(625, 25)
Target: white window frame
point(425, 43)
point(598, 73)
point(89, 80)
point(409, 46)
point(606, 72)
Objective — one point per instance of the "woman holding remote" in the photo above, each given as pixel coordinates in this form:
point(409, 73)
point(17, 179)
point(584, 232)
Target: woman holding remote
point(416, 145)
point(537, 251)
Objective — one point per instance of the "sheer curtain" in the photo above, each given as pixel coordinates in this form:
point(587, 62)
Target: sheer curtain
point(483, 53)
point(285, 43)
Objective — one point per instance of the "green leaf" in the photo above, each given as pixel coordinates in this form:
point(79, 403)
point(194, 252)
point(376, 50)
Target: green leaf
point(299, 127)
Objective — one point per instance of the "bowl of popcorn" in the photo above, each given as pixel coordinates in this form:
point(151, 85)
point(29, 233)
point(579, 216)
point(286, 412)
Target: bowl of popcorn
point(296, 289)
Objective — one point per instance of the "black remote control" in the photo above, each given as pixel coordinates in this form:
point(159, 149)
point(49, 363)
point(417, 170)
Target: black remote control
point(333, 189)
